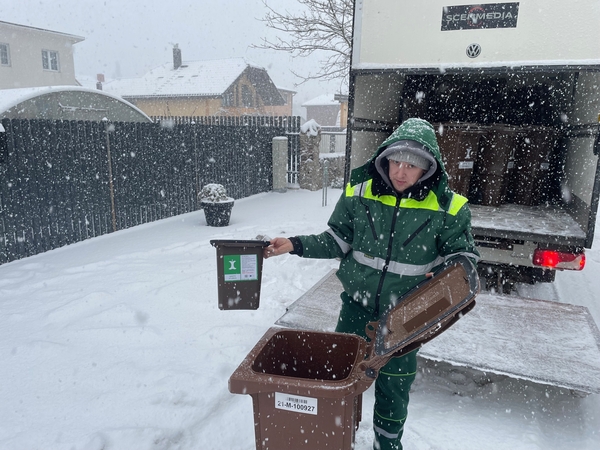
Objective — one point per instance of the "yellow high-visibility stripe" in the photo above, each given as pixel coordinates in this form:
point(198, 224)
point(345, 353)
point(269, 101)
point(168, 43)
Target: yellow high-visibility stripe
point(458, 201)
point(366, 191)
point(350, 190)
point(430, 202)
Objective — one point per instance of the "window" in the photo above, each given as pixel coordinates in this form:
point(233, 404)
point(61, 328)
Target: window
point(247, 100)
point(229, 99)
point(4, 55)
point(50, 60)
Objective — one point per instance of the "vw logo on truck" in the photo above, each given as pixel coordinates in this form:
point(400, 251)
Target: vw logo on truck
point(473, 50)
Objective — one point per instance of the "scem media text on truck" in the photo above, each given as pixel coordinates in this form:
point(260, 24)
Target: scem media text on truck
point(513, 90)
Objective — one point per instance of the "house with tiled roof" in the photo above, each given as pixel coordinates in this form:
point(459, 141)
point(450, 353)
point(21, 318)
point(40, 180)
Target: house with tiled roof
point(224, 87)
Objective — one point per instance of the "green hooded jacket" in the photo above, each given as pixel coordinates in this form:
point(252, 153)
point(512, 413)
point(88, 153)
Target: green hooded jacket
point(388, 241)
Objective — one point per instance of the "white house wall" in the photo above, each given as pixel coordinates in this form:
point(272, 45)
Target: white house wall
point(25, 46)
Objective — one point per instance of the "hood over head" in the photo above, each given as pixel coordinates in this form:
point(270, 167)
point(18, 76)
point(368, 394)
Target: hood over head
point(423, 134)
point(408, 151)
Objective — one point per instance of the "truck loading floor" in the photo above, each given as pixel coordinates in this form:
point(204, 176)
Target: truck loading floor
point(525, 221)
point(546, 342)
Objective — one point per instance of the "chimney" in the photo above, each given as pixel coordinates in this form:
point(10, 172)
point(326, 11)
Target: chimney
point(100, 80)
point(176, 57)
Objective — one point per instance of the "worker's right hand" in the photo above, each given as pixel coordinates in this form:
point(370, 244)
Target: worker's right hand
point(278, 246)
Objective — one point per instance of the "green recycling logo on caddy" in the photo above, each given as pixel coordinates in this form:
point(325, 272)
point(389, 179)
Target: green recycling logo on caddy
point(240, 267)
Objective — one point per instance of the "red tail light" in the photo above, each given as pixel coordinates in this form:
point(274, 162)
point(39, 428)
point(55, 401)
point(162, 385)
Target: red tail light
point(558, 260)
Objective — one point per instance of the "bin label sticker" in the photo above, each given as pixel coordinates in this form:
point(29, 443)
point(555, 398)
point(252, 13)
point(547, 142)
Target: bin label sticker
point(465, 164)
point(296, 403)
point(240, 267)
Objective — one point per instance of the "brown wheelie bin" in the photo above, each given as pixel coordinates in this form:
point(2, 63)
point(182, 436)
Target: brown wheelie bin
point(307, 386)
point(491, 175)
point(530, 180)
point(459, 144)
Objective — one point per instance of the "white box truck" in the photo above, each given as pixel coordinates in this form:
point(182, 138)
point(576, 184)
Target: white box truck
point(513, 90)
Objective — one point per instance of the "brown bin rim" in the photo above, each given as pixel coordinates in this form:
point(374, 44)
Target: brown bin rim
point(245, 380)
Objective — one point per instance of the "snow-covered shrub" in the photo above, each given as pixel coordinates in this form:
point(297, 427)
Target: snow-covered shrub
point(214, 193)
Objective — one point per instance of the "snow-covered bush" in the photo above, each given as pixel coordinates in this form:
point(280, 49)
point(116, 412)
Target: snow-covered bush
point(214, 193)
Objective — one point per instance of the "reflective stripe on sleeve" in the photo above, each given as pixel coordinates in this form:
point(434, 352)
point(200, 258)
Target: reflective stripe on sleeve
point(412, 270)
point(343, 245)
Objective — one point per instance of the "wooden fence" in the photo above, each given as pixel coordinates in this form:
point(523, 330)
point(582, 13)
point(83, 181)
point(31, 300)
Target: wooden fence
point(290, 123)
point(65, 181)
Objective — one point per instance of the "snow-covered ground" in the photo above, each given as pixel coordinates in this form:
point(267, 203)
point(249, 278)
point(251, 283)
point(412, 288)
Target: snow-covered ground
point(118, 343)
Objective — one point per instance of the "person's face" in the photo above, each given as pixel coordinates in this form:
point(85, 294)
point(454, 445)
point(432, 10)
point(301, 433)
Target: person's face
point(404, 175)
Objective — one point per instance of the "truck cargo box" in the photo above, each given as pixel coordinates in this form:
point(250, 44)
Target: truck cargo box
point(513, 92)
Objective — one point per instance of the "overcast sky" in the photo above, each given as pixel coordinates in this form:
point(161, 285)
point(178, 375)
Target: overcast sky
point(126, 38)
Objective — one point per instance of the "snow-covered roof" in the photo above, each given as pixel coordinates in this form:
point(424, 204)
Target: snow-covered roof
point(13, 97)
point(199, 78)
point(322, 100)
point(71, 37)
point(286, 89)
point(87, 81)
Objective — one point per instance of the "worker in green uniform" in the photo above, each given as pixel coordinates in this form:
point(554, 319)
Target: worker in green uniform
point(395, 223)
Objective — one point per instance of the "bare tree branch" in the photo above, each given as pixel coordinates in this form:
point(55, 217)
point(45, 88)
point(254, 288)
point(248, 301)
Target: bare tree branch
point(324, 27)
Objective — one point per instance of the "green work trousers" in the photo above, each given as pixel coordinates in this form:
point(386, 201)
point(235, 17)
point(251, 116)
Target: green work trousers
point(392, 385)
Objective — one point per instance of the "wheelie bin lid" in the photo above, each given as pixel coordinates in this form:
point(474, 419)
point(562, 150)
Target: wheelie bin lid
point(424, 312)
point(238, 243)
